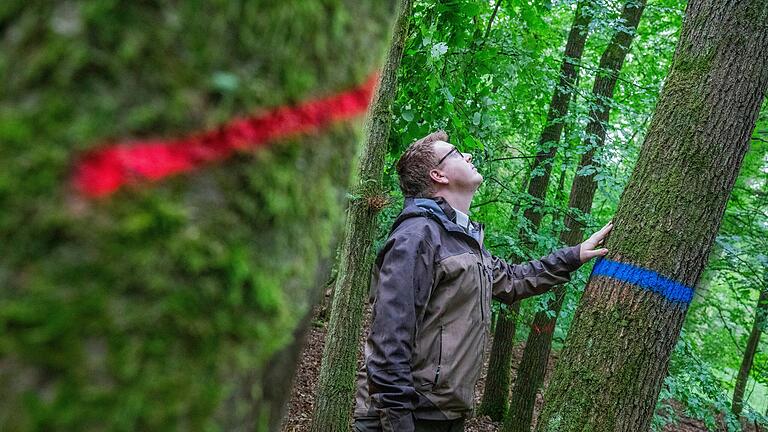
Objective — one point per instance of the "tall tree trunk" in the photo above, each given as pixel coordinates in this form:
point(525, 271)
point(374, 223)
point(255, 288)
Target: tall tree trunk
point(336, 386)
point(617, 352)
point(533, 365)
point(761, 314)
point(503, 338)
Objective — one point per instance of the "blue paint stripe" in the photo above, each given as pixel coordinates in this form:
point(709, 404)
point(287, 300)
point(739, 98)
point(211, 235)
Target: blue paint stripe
point(643, 278)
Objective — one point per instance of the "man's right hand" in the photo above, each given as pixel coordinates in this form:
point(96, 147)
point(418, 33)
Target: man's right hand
point(590, 247)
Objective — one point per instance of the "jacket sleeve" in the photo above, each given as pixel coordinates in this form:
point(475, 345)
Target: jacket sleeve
point(401, 283)
point(513, 282)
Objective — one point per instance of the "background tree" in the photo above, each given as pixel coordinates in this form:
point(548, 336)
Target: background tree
point(761, 312)
point(530, 375)
point(337, 372)
point(666, 222)
point(494, 402)
point(174, 305)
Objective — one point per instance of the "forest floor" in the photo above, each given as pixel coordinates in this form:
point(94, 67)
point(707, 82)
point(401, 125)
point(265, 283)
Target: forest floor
point(301, 404)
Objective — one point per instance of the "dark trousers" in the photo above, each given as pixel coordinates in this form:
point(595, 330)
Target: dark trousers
point(373, 425)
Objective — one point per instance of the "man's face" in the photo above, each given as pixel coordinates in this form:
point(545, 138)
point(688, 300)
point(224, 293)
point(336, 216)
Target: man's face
point(455, 167)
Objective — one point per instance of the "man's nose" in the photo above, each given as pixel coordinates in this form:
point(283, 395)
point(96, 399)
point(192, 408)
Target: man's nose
point(468, 157)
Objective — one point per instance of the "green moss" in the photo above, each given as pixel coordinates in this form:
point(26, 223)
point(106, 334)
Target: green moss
point(689, 63)
point(656, 193)
point(159, 308)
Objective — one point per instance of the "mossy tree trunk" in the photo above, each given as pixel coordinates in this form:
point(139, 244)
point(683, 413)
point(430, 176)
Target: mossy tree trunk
point(761, 315)
point(336, 386)
point(496, 393)
point(617, 351)
point(497, 390)
point(533, 365)
point(174, 305)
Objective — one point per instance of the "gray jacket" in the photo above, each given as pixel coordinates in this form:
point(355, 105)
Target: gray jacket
point(432, 286)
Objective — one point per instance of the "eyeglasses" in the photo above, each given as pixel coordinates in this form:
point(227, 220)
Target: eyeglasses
point(446, 156)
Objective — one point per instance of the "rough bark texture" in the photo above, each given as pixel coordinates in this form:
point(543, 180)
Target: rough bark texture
point(761, 314)
point(494, 401)
point(530, 373)
point(534, 362)
point(618, 348)
point(336, 385)
point(503, 339)
point(165, 306)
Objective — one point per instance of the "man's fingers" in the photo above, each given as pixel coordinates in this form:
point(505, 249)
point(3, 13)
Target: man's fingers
point(589, 247)
point(600, 235)
point(597, 252)
point(606, 229)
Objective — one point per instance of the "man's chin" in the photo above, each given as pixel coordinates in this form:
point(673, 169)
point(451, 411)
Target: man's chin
point(477, 182)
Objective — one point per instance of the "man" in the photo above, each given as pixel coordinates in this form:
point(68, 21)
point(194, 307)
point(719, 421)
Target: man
point(433, 285)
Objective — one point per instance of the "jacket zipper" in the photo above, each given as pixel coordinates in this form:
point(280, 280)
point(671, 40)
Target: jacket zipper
point(439, 356)
point(482, 291)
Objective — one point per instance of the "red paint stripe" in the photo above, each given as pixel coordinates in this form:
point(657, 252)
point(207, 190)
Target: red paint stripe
point(103, 171)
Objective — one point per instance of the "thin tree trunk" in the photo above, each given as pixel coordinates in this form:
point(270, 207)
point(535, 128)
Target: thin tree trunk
point(558, 109)
point(535, 357)
point(503, 339)
point(497, 378)
point(336, 385)
point(617, 352)
point(761, 313)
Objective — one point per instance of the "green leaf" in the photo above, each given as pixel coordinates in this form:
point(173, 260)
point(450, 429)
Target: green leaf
point(586, 170)
point(439, 49)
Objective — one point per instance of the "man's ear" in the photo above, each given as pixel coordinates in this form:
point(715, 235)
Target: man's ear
point(437, 176)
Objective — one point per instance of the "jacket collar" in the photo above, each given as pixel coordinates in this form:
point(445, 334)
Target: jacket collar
point(438, 208)
point(445, 207)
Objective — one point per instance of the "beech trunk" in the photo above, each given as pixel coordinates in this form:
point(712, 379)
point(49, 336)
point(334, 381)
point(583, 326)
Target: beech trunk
point(558, 109)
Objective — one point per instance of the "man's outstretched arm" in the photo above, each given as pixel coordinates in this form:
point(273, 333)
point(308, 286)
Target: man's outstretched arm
point(401, 283)
point(513, 282)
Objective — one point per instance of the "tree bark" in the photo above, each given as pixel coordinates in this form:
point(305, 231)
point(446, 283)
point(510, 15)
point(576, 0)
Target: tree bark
point(535, 357)
point(503, 338)
point(617, 352)
point(497, 378)
point(761, 314)
point(336, 384)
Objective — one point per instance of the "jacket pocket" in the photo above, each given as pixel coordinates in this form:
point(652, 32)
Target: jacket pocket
point(439, 356)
